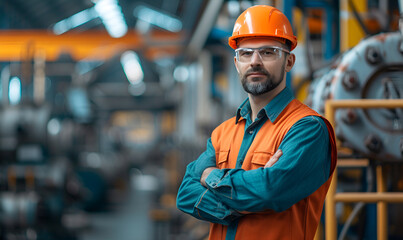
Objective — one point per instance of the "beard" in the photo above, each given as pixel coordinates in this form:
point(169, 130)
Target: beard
point(258, 88)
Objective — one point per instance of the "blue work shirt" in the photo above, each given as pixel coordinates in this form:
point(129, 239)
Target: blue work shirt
point(303, 168)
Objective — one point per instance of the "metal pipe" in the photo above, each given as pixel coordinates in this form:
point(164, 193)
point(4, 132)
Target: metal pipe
point(372, 197)
point(330, 203)
point(382, 208)
point(5, 81)
point(287, 8)
point(39, 77)
point(352, 162)
point(205, 25)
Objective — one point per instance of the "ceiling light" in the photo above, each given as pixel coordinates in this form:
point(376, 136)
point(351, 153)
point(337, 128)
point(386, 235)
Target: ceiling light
point(74, 21)
point(132, 67)
point(108, 11)
point(112, 17)
point(158, 18)
point(14, 93)
point(181, 73)
point(54, 126)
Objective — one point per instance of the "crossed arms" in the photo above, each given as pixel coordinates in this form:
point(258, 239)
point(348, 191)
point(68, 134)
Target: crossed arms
point(222, 195)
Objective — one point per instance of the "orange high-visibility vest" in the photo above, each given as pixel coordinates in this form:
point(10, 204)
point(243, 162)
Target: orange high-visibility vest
point(301, 220)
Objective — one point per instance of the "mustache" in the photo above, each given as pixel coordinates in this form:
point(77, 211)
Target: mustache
point(257, 70)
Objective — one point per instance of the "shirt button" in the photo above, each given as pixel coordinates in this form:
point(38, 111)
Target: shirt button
point(251, 132)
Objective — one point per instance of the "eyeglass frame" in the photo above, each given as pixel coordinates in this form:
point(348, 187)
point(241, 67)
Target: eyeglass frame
point(258, 49)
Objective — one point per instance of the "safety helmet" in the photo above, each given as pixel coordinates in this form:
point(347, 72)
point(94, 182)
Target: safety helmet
point(262, 21)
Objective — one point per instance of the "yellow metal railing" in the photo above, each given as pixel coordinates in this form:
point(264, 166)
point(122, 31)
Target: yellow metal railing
point(381, 197)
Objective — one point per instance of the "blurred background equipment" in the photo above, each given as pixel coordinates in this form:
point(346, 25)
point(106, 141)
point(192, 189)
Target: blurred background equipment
point(371, 70)
point(103, 103)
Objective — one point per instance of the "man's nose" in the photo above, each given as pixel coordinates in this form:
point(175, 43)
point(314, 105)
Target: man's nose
point(256, 59)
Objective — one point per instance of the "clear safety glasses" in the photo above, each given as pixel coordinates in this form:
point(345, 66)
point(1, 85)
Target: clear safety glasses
point(266, 53)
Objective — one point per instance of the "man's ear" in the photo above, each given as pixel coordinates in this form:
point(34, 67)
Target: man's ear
point(289, 63)
point(236, 65)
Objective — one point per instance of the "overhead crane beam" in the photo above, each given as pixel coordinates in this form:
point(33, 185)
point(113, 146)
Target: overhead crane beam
point(16, 45)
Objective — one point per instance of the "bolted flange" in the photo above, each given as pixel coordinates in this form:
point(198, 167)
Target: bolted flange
point(373, 56)
point(350, 80)
point(349, 116)
point(373, 143)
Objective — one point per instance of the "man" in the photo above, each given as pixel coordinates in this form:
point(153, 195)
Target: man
point(265, 173)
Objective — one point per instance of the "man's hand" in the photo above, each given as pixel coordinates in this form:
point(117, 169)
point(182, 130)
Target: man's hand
point(205, 174)
point(274, 158)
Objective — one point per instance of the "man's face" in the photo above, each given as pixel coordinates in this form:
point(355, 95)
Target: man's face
point(259, 76)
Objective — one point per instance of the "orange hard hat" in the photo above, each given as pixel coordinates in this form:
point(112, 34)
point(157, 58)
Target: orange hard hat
point(262, 21)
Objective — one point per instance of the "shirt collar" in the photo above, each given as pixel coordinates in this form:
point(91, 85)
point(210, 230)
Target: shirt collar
point(272, 109)
point(243, 110)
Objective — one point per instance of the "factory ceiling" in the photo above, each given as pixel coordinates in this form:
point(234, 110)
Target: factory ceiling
point(66, 32)
point(158, 23)
point(42, 14)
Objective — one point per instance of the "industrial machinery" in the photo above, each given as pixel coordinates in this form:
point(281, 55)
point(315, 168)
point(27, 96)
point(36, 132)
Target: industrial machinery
point(32, 184)
point(371, 70)
point(50, 168)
